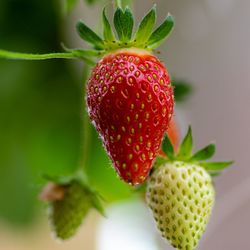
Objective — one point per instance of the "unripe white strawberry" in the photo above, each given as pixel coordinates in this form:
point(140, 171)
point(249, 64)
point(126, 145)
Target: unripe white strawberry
point(180, 192)
point(181, 196)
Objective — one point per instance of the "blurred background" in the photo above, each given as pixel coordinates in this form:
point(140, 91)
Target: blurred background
point(41, 121)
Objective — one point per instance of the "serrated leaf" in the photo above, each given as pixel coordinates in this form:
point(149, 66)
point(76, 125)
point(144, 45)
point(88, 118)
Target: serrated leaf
point(124, 22)
point(185, 151)
point(215, 166)
point(146, 26)
point(182, 90)
point(89, 35)
point(168, 148)
point(107, 30)
point(204, 154)
point(161, 33)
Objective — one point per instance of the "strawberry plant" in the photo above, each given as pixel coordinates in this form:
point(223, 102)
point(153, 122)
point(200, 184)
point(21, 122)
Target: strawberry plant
point(130, 102)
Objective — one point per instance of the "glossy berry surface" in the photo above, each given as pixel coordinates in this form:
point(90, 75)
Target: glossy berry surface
point(130, 102)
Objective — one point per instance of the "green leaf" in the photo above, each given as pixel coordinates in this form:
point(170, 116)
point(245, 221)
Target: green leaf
point(124, 22)
point(146, 27)
point(185, 151)
point(215, 173)
point(161, 33)
point(26, 56)
point(204, 154)
point(89, 35)
point(215, 166)
point(70, 4)
point(168, 148)
point(182, 90)
point(107, 30)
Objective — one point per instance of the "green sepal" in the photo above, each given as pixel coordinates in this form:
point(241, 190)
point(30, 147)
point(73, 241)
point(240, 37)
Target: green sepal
point(161, 33)
point(96, 202)
point(186, 147)
point(159, 161)
point(141, 188)
point(89, 35)
point(124, 22)
point(60, 180)
point(204, 154)
point(107, 30)
point(214, 173)
point(182, 90)
point(145, 27)
point(215, 166)
point(167, 147)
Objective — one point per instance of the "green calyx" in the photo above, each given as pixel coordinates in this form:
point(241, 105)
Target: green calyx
point(185, 154)
point(144, 38)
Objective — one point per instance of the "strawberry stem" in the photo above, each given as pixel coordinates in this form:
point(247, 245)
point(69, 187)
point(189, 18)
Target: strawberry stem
point(86, 133)
point(25, 56)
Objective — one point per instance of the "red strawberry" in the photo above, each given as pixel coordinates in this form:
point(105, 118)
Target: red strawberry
point(130, 101)
point(129, 95)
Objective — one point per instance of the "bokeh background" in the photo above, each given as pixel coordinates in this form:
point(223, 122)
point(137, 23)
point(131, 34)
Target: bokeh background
point(41, 121)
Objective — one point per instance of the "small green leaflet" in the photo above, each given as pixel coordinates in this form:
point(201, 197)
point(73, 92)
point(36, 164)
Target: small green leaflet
point(215, 166)
point(107, 30)
point(204, 154)
point(182, 90)
point(185, 151)
point(159, 35)
point(124, 23)
point(89, 35)
point(146, 27)
point(168, 148)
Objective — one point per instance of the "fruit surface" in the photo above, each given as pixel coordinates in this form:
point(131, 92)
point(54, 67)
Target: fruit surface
point(130, 102)
point(181, 197)
point(67, 214)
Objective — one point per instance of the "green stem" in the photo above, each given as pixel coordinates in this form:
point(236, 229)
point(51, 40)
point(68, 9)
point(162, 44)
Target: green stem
point(26, 56)
point(86, 133)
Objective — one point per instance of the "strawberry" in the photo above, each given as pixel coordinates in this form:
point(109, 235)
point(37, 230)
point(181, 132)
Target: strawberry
point(69, 204)
point(130, 101)
point(180, 193)
point(129, 94)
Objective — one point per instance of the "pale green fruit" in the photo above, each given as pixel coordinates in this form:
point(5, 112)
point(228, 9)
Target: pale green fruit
point(181, 197)
point(66, 215)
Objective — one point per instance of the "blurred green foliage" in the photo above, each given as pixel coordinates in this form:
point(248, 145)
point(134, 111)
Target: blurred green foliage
point(39, 106)
point(41, 119)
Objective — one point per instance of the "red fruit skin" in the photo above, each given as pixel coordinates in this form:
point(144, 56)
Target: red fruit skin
point(130, 102)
